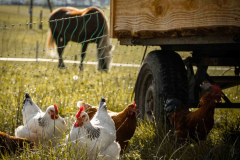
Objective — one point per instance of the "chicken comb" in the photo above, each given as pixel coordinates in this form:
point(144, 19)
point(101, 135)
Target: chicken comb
point(79, 112)
point(216, 88)
point(134, 104)
point(56, 108)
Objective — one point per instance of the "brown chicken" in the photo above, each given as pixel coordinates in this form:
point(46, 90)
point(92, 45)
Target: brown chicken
point(125, 122)
point(10, 144)
point(196, 124)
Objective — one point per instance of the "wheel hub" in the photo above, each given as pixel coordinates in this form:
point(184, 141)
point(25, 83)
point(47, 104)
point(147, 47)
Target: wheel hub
point(149, 102)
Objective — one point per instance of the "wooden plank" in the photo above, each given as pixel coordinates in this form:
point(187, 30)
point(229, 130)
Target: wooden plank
point(175, 18)
point(217, 61)
point(189, 43)
point(112, 15)
point(181, 40)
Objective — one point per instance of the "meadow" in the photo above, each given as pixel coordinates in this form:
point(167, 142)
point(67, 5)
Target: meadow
point(48, 84)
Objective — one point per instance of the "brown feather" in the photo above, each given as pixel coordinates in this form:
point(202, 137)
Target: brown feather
point(11, 144)
point(196, 124)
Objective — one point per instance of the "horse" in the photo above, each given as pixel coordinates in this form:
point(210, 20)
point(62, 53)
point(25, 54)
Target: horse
point(82, 26)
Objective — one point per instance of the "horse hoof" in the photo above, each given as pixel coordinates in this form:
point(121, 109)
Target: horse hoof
point(102, 70)
point(81, 67)
point(62, 67)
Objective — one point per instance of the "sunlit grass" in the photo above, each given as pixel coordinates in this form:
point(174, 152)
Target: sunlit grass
point(65, 87)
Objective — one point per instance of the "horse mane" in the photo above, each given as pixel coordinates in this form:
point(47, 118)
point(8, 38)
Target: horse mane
point(71, 11)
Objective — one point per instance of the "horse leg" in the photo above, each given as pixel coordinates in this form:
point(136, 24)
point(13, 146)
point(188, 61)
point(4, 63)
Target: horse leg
point(61, 47)
point(84, 48)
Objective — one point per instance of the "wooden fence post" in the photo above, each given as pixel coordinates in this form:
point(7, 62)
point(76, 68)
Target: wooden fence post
point(30, 12)
point(75, 58)
point(49, 4)
point(37, 52)
point(40, 24)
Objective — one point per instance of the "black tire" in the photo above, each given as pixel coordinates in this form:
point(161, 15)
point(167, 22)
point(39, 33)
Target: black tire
point(162, 76)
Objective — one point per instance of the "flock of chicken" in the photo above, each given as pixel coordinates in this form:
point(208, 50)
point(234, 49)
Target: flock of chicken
point(101, 132)
point(104, 133)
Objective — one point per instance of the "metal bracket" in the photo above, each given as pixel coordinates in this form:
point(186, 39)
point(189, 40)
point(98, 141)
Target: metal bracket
point(217, 61)
point(136, 41)
point(236, 71)
point(191, 78)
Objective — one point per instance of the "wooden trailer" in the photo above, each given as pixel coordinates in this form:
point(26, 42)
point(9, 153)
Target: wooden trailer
point(210, 29)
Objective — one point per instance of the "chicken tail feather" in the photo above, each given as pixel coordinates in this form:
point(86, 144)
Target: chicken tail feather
point(102, 103)
point(172, 105)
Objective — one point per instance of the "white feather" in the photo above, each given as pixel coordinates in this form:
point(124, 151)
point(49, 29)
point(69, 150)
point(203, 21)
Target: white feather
point(103, 119)
point(34, 130)
point(23, 132)
point(105, 144)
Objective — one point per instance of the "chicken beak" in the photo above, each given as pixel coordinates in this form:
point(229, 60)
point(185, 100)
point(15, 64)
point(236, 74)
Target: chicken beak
point(132, 110)
point(79, 121)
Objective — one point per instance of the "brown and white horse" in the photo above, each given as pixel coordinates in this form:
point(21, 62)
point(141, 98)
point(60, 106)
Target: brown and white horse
point(82, 26)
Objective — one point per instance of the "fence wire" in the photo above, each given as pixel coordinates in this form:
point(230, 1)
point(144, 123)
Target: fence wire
point(26, 65)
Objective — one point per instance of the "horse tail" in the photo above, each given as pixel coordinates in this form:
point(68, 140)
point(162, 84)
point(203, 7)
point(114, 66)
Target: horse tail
point(51, 45)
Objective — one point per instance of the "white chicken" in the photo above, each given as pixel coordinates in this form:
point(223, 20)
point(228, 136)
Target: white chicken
point(39, 126)
point(98, 135)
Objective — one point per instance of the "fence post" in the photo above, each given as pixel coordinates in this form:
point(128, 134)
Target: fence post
point(37, 52)
point(18, 6)
point(30, 12)
point(75, 58)
point(40, 24)
point(50, 7)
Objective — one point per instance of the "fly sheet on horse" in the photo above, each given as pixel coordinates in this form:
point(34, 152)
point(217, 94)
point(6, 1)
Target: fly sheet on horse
point(82, 26)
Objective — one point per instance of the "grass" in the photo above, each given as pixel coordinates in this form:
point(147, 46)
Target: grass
point(65, 87)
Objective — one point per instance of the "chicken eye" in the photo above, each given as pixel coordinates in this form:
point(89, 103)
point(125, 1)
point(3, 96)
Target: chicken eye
point(83, 116)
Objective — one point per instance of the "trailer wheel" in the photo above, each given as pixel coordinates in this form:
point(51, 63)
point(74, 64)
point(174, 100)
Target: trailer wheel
point(162, 76)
